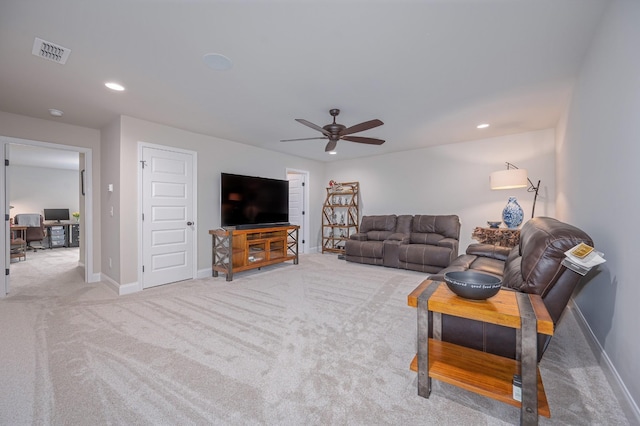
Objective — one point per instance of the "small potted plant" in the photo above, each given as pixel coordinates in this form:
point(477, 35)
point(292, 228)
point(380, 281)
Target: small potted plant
point(76, 216)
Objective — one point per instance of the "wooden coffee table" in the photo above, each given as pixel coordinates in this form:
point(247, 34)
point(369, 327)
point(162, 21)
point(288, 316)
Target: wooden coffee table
point(480, 372)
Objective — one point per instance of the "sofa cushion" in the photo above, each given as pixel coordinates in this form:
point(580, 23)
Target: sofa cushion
point(425, 238)
point(489, 250)
point(428, 229)
point(404, 223)
point(378, 235)
point(378, 228)
point(378, 223)
point(365, 249)
point(425, 254)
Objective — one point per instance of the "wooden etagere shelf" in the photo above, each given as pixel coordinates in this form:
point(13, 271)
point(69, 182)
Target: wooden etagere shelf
point(340, 216)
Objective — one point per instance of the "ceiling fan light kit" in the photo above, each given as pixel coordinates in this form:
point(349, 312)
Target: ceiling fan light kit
point(336, 131)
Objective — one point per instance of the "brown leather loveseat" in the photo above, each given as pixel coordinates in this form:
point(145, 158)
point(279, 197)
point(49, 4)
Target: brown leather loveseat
point(534, 266)
point(425, 243)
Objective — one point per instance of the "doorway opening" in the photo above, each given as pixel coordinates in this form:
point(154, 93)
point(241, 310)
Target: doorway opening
point(39, 176)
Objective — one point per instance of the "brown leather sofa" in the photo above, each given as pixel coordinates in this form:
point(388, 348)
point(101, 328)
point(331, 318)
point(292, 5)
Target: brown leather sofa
point(534, 266)
point(421, 243)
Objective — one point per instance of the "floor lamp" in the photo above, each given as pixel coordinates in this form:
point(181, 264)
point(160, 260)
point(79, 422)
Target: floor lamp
point(513, 178)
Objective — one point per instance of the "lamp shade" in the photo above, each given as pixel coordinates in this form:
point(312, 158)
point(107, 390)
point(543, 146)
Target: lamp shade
point(509, 179)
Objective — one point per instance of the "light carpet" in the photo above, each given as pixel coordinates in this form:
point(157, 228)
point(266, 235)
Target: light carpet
point(323, 342)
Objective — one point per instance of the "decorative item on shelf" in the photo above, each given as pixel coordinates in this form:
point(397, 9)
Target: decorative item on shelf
point(494, 223)
point(335, 186)
point(512, 214)
point(76, 216)
point(472, 285)
point(513, 178)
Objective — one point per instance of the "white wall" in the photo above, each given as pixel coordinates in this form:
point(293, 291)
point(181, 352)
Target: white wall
point(214, 156)
point(454, 179)
point(32, 189)
point(110, 154)
point(598, 153)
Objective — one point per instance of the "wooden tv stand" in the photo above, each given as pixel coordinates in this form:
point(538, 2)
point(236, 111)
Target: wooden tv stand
point(236, 250)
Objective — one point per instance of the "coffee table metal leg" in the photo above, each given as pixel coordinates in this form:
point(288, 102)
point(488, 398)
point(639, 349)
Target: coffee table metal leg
point(528, 361)
point(424, 381)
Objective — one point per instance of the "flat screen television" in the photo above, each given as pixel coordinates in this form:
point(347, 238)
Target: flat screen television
point(252, 202)
point(56, 215)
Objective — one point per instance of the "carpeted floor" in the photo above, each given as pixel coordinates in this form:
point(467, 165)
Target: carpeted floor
point(322, 342)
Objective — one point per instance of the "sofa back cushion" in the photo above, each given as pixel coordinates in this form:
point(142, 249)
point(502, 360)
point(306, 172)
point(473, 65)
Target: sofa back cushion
point(535, 265)
point(427, 229)
point(378, 228)
point(404, 223)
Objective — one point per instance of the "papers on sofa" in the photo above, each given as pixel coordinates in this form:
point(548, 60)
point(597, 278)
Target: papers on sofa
point(582, 258)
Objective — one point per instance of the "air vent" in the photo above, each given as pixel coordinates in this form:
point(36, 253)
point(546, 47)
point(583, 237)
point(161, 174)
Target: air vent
point(50, 51)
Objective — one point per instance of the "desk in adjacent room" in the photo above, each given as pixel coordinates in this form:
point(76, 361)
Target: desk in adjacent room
point(62, 234)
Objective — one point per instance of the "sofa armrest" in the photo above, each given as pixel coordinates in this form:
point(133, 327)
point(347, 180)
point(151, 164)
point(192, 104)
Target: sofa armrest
point(360, 236)
point(451, 243)
point(399, 236)
point(489, 250)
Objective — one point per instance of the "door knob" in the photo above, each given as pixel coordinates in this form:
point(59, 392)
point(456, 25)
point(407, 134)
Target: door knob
point(191, 223)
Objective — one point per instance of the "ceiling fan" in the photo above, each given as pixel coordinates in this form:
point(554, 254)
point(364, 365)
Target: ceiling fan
point(335, 131)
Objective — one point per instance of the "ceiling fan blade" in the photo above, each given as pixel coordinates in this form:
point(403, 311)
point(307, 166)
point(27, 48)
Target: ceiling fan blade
point(331, 145)
point(313, 126)
point(302, 139)
point(361, 127)
point(360, 139)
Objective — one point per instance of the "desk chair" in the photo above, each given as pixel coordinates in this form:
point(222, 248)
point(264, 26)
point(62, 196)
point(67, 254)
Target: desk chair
point(35, 228)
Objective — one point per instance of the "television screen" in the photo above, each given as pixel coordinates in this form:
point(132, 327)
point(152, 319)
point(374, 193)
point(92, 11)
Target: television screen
point(248, 201)
point(56, 214)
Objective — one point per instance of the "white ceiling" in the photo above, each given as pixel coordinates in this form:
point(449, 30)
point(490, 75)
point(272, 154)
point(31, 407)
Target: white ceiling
point(431, 70)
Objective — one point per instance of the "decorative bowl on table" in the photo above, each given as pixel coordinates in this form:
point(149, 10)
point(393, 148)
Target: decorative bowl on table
point(494, 223)
point(473, 285)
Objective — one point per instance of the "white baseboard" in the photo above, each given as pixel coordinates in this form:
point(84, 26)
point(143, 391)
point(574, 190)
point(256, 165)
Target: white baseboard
point(114, 285)
point(629, 405)
point(129, 288)
point(122, 289)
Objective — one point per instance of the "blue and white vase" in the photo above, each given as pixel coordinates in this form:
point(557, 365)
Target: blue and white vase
point(512, 214)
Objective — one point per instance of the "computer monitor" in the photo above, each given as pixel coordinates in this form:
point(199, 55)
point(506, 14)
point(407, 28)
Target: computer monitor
point(56, 215)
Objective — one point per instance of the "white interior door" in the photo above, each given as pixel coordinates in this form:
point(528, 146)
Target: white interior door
point(168, 225)
point(6, 234)
point(297, 206)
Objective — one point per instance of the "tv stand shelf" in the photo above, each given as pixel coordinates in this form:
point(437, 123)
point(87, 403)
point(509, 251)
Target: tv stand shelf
point(236, 250)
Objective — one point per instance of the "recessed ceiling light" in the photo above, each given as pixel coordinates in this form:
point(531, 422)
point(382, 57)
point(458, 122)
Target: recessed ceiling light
point(217, 61)
point(55, 112)
point(333, 152)
point(114, 86)
point(482, 126)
